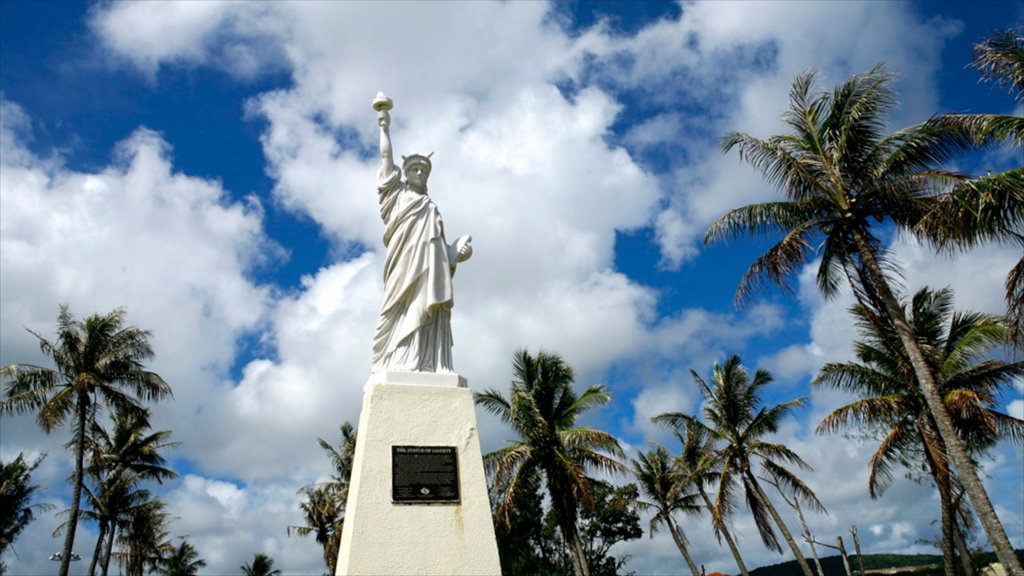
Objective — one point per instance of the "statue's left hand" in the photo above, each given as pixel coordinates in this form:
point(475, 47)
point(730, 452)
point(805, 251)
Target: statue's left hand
point(461, 249)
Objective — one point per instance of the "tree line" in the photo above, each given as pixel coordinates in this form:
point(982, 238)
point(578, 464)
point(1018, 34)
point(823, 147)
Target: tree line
point(926, 378)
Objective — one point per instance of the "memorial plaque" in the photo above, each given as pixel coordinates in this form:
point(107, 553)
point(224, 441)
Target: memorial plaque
point(424, 474)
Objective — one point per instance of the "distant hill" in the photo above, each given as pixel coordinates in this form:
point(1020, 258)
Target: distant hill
point(833, 565)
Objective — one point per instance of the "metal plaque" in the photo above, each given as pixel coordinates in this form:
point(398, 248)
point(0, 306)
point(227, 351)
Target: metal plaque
point(424, 474)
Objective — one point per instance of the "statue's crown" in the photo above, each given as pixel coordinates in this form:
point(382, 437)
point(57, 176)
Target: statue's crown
point(413, 159)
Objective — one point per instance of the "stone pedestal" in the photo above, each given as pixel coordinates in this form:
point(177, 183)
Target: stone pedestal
point(381, 536)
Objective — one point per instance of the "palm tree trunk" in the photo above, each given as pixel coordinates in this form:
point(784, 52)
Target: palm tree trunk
point(728, 537)
point(76, 498)
point(778, 520)
point(930, 390)
point(110, 547)
point(961, 547)
point(97, 552)
point(579, 559)
point(681, 544)
point(948, 557)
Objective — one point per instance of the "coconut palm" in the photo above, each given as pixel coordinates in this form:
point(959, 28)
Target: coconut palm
point(262, 565)
point(841, 175)
point(99, 362)
point(736, 420)
point(663, 488)
point(144, 541)
point(1001, 59)
point(889, 401)
point(698, 463)
point(324, 507)
point(16, 493)
point(989, 208)
point(119, 461)
point(342, 459)
point(543, 410)
point(184, 560)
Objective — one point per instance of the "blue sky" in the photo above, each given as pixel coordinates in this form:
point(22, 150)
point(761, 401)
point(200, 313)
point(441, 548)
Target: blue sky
point(210, 166)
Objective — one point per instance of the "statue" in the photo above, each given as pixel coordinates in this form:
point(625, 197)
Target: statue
point(414, 332)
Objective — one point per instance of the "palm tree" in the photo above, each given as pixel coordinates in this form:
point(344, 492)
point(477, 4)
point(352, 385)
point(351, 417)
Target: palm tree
point(698, 463)
point(99, 362)
point(989, 208)
point(890, 401)
point(16, 493)
point(342, 459)
point(119, 461)
point(1001, 59)
point(324, 519)
point(324, 507)
point(144, 541)
point(735, 418)
point(663, 488)
point(840, 173)
point(543, 409)
point(262, 565)
point(182, 561)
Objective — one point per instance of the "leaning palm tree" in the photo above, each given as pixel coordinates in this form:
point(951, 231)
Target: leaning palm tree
point(889, 401)
point(543, 409)
point(735, 418)
point(841, 175)
point(119, 461)
point(698, 462)
point(184, 560)
point(262, 565)
point(99, 362)
point(664, 492)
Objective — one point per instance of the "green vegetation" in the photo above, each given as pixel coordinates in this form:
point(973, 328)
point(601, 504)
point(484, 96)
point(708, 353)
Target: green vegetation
point(543, 409)
point(324, 506)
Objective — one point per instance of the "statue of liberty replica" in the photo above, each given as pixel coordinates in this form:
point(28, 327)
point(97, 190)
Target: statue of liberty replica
point(417, 501)
point(414, 332)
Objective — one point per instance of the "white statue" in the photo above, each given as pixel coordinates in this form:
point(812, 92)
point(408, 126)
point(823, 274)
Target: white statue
point(414, 332)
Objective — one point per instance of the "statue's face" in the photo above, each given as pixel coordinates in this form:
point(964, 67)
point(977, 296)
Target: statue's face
point(417, 176)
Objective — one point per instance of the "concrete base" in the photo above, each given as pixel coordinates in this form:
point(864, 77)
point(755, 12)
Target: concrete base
point(382, 537)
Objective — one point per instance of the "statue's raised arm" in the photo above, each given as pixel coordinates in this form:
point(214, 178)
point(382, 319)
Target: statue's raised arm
point(414, 331)
point(382, 104)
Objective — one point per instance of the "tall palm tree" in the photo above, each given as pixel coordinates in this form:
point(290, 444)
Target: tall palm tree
point(735, 418)
point(262, 565)
point(99, 362)
point(184, 560)
point(889, 401)
point(841, 175)
point(543, 409)
point(662, 487)
point(698, 463)
point(119, 461)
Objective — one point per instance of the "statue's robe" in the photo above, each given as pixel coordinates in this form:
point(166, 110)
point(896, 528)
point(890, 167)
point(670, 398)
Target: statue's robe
point(414, 331)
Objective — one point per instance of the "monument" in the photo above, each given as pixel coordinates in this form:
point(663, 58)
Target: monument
point(417, 501)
